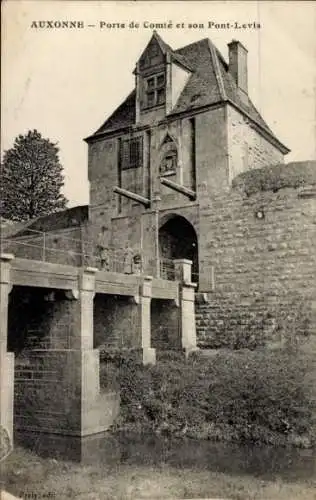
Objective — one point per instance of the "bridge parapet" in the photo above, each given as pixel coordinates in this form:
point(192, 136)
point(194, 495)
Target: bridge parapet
point(65, 299)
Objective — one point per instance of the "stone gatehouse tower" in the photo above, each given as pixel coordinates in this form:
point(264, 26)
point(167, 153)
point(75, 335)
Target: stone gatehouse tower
point(169, 152)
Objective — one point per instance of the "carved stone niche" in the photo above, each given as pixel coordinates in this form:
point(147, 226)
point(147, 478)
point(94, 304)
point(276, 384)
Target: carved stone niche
point(168, 156)
point(168, 165)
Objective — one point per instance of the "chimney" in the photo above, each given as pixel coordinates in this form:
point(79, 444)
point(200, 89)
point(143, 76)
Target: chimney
point(238, 64)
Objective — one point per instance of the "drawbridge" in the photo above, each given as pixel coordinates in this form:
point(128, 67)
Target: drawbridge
point(54, 318)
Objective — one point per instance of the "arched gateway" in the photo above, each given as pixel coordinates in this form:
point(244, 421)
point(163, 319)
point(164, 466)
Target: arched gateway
point(177, 240)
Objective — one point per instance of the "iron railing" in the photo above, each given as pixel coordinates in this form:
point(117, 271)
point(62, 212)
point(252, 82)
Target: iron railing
point(167, 269)
point(60, 248)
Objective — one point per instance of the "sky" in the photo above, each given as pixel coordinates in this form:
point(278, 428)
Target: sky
point(66, 82)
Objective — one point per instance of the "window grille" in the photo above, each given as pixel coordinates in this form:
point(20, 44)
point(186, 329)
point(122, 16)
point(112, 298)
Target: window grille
point(132, 153)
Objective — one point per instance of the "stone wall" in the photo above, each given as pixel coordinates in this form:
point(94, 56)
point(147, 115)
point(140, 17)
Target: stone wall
point(122, 217)
point(42, 388)
point(56, 386)
point(38, 319)
point(262, 248)
point(247, 148)
point(165, 326)
point(115, 319)
point(39, 327)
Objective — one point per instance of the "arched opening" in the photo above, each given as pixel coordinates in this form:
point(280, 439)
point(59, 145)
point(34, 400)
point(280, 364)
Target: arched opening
point(178, 240)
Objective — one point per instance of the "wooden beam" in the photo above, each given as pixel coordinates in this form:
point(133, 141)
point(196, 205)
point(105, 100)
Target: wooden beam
point(177, 187)
point(132, 196)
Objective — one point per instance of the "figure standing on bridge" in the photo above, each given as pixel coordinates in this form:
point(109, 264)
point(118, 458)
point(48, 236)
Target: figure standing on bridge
point(103, 251)
point(137, 263)
point(128, 259)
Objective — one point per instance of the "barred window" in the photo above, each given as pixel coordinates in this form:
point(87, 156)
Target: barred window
point(132, 153)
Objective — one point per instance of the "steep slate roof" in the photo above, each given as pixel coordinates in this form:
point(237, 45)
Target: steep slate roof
point(210, 83)
point(123, 116)
point(202, 87)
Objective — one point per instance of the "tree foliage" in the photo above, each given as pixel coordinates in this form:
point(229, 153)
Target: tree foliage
point(31, 179)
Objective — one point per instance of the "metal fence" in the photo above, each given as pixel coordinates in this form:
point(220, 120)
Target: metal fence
point(167, 269)
point(59, 247)
point(49, 247)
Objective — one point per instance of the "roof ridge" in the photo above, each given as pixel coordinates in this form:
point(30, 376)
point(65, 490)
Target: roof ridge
point(191, 44)
point(217, 71)
point(208, 41)
point(166, 47)
point(163, 45)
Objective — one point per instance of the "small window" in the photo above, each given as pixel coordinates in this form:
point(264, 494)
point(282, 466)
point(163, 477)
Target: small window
point(132, 153)
point(151, 83)
point(155, 91)
point(160, 80)
point(150, 99)
point(160, 96)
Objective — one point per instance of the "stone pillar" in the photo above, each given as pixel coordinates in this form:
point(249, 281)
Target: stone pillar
point(168, 84)
point(187, 322)
point(138, 339)
point(81, 333)
point(83, 360)
point(148, 353)
point(187, 305)
point(156, 206)
point(183, 270)
point(138, 92)
point(6, 358)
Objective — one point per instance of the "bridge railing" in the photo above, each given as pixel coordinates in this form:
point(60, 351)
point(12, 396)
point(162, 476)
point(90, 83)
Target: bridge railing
point(45, 247)
point(63, 249)
point(167, 269)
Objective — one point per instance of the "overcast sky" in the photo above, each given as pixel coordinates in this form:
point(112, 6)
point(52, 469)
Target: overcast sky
point(65, 82)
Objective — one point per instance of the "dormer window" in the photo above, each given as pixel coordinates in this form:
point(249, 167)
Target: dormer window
point(155, 92)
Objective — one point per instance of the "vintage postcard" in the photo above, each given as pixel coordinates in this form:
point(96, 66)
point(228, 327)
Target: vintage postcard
point(158, 272)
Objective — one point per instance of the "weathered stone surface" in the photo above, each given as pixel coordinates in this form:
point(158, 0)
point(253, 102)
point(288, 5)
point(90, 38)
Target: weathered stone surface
point(263, 265)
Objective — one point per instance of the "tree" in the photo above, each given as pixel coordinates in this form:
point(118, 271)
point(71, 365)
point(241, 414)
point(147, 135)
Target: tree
point(31, 179)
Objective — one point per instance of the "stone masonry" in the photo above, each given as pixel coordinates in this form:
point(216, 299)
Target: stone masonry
point(170, 157)
point(262, 248)
point(53, 326)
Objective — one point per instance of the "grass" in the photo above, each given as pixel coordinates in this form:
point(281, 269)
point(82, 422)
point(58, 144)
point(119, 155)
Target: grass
point(26, 474)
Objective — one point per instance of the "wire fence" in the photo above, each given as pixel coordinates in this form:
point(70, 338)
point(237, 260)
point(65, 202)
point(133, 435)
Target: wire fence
point(60, 248)
point(76, 252)
point(43, 251)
